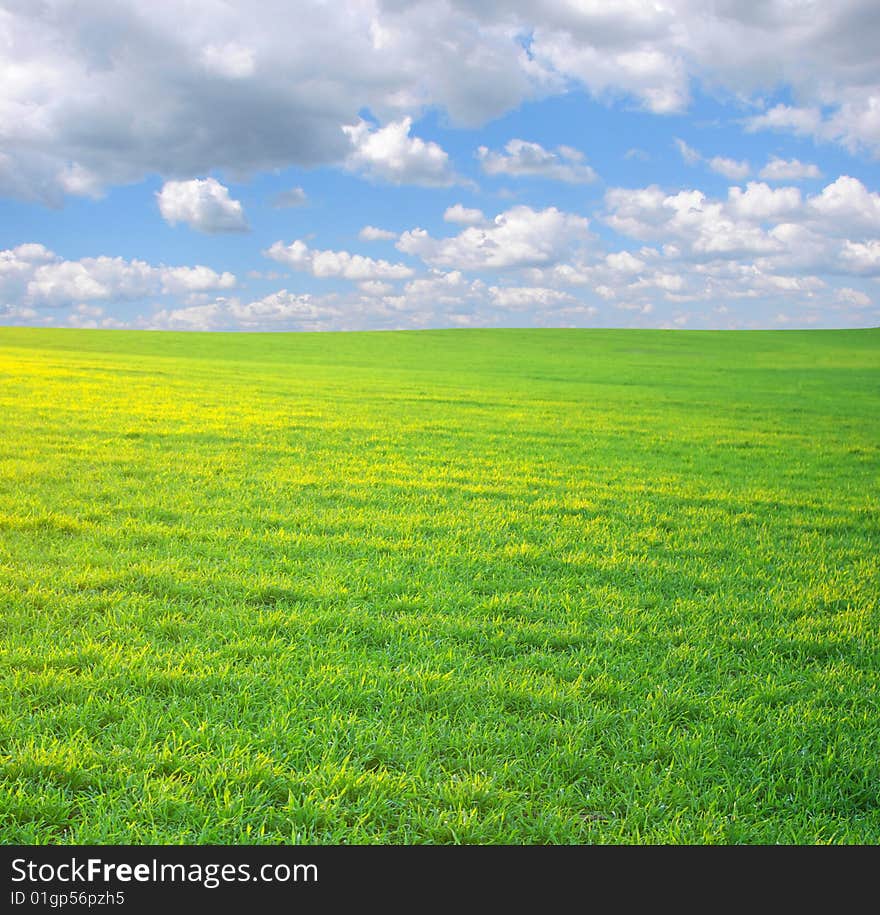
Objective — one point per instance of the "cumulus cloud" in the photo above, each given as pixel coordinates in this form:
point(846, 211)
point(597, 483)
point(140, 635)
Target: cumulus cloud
point(801, 121)
point(372, 233)
point(213, 316)
point(194, 279)
point(96, 95)
point(617, 51)
point(730, 168)
point(760, 202)
point(524, 159)
point(17, 267)
point(854, 123)
point(390, 154)
point(282, 306)
point(670, 282)
point(625, 262)
point(520, 298)
point(437, 298)
point(519, 237)
point(464, 216)
point(78, 181)
point(689, 220)
point(761, 244)
point(442, 288)
point(278, 310)
point(295, 197)
point(846, 205)
point(203, 204)
point(90, 316)
point(62, 282)
point(33, 276)
point(733, 169)
point(335, 263)
point(375, 288)
point(778, 169)
point(100, 94)
point(643, 308)
point(861, 257)
point(445, 298)
point(91, 311)
point(854, 298)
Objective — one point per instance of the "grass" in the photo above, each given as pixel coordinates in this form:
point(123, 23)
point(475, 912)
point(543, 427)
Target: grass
point(456, 586)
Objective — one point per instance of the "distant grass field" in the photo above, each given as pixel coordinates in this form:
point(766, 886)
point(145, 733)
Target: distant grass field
point(456, 586)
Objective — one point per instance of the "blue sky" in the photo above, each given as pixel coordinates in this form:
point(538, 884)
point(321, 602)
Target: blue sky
point(360, 165)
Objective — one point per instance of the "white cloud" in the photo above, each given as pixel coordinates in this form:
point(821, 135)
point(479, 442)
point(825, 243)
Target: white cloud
point(15, 314)
point(335, 263)
point(519, 237)
point(801, 121)
point(203, 204)
point(521, 158)
point(624, 262)
point(687, 218)
point(616, 52)
point(761, 243)
point(670, 282)
point(760, 202)
point(101, 278)
point(195, 317)
point(91, 311)
point(730, 168)
point(33, 276)
point(390, 154)
point(233, 91)
point(854, 298)
point(90, 316)
point(733, 169)
point(444, 298)
point(688, 153)
point(847, 206)
point(278, 310)
point(639, 212)
point(17, 267)
point(643, 308)
point(87, 104)
point(854, 123)
point(282, 306)
point(78, 181)
point(28, 253)
point(778, 169)
point(197, 298)
point(521, 298)
point(802, 248)
point(861, 257)
point(375, 288)
point(295, 197)
point(371, 233)
point(194, 279)
point(230, 60)
point(443, 288)
point(464, 216)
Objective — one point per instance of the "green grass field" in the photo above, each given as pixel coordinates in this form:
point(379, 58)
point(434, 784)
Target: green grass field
point(551, 586)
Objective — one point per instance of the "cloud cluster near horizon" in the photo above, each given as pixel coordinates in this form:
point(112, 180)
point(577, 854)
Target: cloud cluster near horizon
point(426, 135)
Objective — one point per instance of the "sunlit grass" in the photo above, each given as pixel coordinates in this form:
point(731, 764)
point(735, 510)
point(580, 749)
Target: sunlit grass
point(489, 586)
